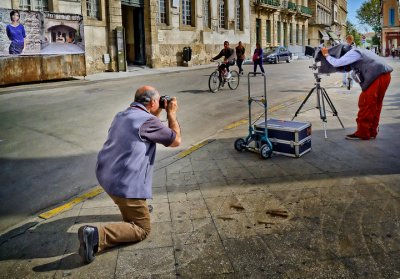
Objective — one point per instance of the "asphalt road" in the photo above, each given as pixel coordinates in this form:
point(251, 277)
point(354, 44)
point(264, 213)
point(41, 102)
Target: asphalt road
point(50, 134)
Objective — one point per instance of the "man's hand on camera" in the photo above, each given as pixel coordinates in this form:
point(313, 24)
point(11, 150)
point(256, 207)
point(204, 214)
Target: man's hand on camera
point(324, 51)
point(173, 124)
point(172, 106)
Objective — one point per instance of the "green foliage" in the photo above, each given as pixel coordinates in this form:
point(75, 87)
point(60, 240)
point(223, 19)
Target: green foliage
point(369, 13)
point(376, 41)
point(352, 30)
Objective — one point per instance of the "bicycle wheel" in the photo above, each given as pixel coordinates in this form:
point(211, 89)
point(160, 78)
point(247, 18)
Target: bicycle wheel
point(214, 82)
point(233, 82)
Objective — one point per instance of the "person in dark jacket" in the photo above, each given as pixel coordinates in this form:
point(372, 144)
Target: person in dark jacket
point(229, 59)
point(374, 84)
point(240, 56)
point(125, 170)
point(258, 58)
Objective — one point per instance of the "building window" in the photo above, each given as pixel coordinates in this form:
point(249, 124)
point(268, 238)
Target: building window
point(25, 4)
point(238, 15)
point(41, 5)
point(221, 9)
point(297, 34)
point(268, 31)
point(391, 17)
point(93, 8)
point(206, 13)
point(35, 5)
point(291, 33)
point(162, 12)
point(186, 12)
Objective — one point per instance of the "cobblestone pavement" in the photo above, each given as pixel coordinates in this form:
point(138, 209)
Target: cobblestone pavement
point(219, 213)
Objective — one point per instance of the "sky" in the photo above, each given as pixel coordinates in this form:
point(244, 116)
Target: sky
point(352, 7)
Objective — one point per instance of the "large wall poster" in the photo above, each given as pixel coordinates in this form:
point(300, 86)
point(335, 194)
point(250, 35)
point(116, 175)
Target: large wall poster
point(46, 33)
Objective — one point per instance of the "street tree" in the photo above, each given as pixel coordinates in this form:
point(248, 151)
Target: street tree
point(352, 30)
point(369, 13)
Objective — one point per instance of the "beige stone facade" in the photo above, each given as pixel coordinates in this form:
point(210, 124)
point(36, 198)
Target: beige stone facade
point(280, 23)
point(154, 32)
point(390, 27)
point(328, 23)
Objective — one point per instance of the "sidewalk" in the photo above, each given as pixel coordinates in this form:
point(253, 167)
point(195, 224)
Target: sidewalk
point(212, 211)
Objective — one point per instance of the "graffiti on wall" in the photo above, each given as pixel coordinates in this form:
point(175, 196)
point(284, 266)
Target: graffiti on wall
point(44, 33)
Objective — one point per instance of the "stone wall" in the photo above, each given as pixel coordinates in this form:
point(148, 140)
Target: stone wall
point(168, 40)
point(31, 68)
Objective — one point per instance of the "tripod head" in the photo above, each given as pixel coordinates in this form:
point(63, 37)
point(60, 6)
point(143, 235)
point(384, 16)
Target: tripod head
point(315, 68)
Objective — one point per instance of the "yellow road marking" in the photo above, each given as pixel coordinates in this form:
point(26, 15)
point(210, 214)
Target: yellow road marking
point(192, 149)
point(98, 190)
point(92, 193)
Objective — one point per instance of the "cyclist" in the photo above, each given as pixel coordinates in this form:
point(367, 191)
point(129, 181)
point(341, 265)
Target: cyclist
point(229, 59)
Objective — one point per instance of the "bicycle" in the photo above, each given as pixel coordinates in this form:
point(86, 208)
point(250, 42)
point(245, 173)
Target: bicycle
point(217, 79)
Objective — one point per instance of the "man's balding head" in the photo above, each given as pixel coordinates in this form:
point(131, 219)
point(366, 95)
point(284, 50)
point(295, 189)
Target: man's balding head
point(145, 94)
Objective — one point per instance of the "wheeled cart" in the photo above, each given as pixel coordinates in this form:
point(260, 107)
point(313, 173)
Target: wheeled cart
point(289, 138)
point(256, 141)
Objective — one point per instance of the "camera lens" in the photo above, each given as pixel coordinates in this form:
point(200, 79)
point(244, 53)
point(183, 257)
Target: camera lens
point(162, 98)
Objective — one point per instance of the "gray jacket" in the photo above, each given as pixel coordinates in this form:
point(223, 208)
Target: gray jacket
point(125, 163)
point(368, 68)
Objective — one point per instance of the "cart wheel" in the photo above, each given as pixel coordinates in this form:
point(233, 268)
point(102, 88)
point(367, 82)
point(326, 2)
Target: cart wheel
point(240, 144)
point(265, 151)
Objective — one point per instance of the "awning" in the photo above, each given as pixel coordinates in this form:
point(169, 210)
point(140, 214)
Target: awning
point(333, 36)
point(325, 36)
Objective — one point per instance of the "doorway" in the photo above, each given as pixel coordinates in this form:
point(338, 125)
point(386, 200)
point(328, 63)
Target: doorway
point(133, 22)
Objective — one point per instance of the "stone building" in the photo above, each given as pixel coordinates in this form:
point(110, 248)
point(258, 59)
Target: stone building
point(390, 26)
point(150, 32)
point(328, 23)
point(280, 23)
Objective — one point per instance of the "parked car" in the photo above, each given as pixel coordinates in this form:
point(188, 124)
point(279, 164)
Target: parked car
point(276, 55)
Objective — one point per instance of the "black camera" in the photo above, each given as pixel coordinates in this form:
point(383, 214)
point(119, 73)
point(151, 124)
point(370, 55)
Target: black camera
point(162, 98)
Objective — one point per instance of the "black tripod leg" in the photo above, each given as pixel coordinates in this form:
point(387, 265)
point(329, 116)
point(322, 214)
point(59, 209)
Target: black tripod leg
point(330, 103)
point(302, 104)
point(321, 104)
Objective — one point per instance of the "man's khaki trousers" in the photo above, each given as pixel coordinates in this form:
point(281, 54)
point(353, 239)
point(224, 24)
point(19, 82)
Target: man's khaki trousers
point(134, 228)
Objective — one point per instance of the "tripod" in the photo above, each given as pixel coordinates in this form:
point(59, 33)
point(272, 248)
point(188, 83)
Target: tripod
point(322, 96)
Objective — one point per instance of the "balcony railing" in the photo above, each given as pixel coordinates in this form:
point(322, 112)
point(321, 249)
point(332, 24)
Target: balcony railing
point(269, 2)
point(305, 10)
point(292, 6)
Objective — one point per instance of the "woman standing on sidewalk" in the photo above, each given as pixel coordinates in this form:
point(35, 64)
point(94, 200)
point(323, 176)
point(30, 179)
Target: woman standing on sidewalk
point(258, 58)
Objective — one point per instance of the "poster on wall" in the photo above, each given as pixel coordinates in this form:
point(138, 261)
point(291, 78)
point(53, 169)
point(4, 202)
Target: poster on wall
point(40, 33)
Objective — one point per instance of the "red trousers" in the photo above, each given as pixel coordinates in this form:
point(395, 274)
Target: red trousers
point(370, 106)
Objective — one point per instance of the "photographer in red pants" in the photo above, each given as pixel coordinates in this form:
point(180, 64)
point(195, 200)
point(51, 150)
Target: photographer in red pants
point(373, 75)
